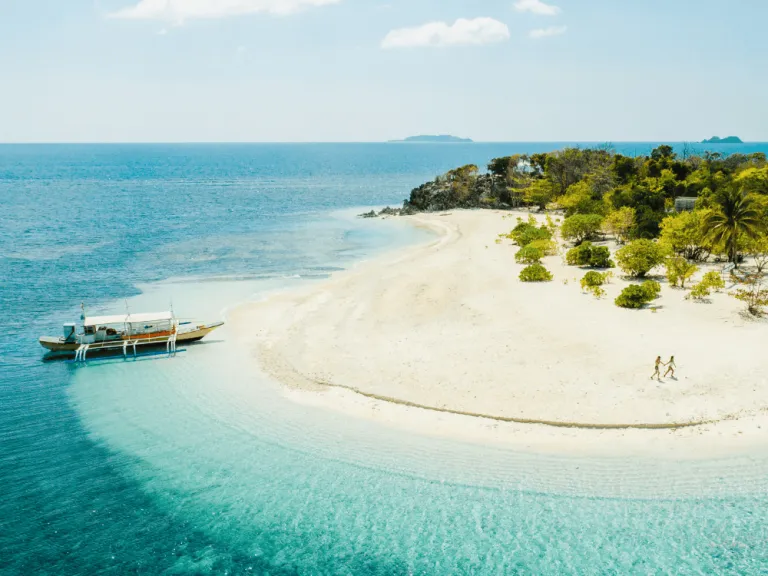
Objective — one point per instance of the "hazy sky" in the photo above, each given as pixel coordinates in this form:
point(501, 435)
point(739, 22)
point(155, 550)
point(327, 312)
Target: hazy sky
point(361, 70)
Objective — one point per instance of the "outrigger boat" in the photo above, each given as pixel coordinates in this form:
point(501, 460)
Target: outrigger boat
point(124, 333)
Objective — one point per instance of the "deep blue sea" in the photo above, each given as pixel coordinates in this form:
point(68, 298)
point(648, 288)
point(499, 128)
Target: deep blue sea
point(192, 465)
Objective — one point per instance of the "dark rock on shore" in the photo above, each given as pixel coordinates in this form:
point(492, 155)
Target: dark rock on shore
point(388, 212)
point(483, 191)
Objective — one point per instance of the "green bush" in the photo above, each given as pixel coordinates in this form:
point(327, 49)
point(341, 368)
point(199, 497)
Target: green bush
point(639, 257)
point(535, 273)
point(713, 280)
point(580, 255)
point(652, 287)
point(587, 254)
point(548, 247)
point(700, 291)
point(601, 258)
point(591, 279)
point(679, 270)
point(529, 255)
point(634, 296)
point(581, 227)
point(525, 233)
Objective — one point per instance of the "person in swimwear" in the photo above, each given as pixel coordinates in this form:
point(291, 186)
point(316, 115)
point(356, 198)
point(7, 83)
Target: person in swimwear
point(670, 367)
point(656, 370)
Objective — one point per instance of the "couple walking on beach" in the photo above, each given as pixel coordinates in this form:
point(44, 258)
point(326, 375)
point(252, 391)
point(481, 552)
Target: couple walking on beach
point(657, 368)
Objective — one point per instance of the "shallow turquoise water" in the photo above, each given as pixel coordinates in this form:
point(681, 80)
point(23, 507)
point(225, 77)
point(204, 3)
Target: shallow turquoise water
point(198, 465)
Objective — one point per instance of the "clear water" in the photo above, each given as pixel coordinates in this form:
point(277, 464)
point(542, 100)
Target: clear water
point(196, 465)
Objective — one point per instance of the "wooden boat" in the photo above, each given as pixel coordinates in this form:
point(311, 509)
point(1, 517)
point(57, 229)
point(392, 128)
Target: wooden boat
point(124, 333)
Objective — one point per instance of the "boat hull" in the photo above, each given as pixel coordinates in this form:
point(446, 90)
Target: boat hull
point(58, 347)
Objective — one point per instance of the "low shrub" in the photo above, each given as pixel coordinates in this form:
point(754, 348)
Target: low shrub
point(699, 292)
point(580, 255)
point(634, 296)
point(548, 247)
point(535, 273)
point(526, 232)
point(592, 279)
point(652, 287)
point(601, 258)
point(679, 270)
point(529, 255)
point(713, 280)
point(587, 254)
point(596, 291)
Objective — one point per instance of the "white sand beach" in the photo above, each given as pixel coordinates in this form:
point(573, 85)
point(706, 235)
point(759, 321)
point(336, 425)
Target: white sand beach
point(444, 338)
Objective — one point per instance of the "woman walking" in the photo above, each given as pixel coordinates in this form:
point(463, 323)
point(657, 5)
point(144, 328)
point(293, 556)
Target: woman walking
point(670, 367)
point(656, 369)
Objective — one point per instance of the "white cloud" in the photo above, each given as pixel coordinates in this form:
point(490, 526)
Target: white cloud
point(180, 10)
point(545, 32)
point(537, 7)
point(463, 32)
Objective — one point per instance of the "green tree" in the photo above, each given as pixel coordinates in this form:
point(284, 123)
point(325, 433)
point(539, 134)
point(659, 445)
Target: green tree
point(736, 215)
point(684, 234)
point(619, 223)
point(581, 227)
point(580, 199)
point(540, 193)
point(639, 257)
point(757, 248)
point(680, 270)
point(753, 294)
point(753, 180)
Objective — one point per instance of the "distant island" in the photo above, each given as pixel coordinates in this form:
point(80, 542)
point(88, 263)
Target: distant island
point(442, 139)
point(728, 140)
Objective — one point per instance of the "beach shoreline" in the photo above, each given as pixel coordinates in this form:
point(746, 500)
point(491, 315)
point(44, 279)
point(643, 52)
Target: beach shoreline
point(442, 338)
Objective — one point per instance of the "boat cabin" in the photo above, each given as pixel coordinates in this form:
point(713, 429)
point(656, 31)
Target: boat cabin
point(127, 327)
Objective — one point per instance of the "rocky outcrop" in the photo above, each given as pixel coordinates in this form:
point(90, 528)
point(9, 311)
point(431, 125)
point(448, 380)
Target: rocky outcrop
point(484, 191)
point(388, 211)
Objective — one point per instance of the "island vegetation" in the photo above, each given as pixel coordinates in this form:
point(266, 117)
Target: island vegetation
point(726, 140)
point(665, 214)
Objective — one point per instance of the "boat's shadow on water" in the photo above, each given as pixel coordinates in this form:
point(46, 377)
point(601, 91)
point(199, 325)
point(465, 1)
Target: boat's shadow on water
point(115, 357)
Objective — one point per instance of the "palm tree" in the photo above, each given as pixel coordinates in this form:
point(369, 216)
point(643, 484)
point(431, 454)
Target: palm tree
point(735, 214)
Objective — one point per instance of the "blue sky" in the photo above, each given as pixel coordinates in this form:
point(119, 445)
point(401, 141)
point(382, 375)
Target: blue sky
point(358, 70)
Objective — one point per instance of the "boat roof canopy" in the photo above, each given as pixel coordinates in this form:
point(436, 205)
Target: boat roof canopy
point(128, 319)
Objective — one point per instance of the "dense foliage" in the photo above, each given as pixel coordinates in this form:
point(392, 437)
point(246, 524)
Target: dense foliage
point(581, 227)
point(529, 255)
point(640, 257)
point(527, 232)
point(634, 296)
point(535, 273)
point(592, 278)
point(680, 270)
point(587, 254)
point(633, 194)
point(652, 288)
point(683, 210)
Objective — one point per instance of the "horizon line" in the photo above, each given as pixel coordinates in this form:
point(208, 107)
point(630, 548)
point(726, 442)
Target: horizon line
point(292, 142)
